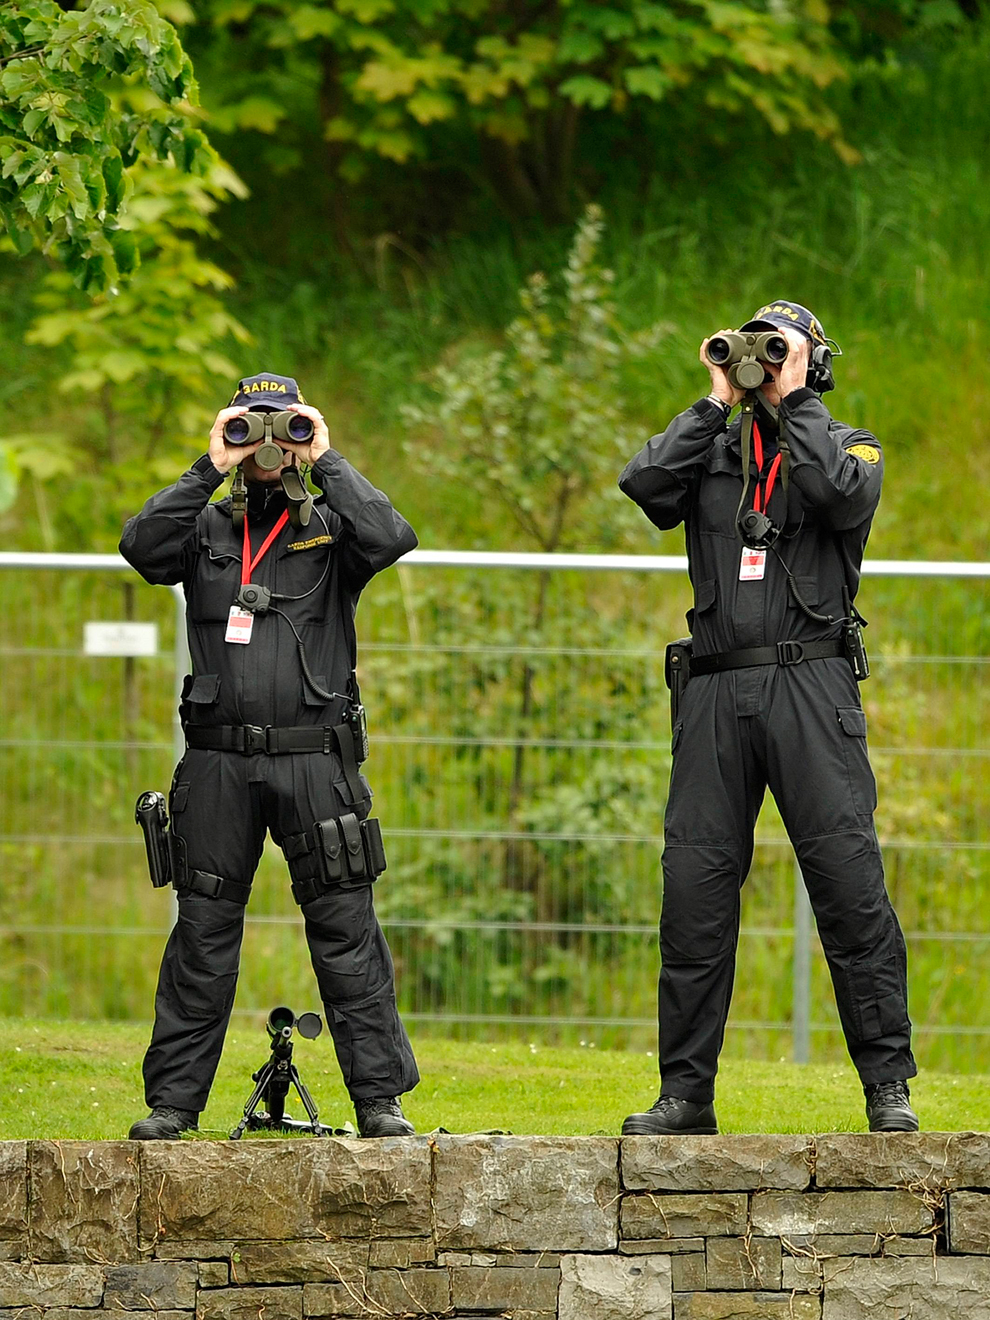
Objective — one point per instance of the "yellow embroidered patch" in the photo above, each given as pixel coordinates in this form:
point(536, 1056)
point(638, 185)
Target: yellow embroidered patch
point(868, 453)
point(311, 544)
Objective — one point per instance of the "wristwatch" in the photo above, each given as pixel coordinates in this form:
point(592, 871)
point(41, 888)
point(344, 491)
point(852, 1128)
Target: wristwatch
point(720, 403)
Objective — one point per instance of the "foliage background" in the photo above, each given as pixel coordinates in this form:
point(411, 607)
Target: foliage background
point(384, 179)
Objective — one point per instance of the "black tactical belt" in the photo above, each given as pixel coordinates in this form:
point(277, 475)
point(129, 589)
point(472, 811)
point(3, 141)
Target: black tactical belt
point(251, 738)
point(784, 653)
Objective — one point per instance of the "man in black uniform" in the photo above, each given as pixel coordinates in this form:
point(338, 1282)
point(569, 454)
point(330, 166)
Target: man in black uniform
point(771, 701)
point(265, 715)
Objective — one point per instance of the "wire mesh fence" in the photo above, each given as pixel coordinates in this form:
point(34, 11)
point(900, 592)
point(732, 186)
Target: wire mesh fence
point(520, 761)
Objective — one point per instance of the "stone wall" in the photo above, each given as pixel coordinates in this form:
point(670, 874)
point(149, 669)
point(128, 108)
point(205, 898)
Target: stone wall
point(695, 1228)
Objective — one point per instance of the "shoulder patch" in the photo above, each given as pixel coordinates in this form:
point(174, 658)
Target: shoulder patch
point(868, 453)
point(311, 544)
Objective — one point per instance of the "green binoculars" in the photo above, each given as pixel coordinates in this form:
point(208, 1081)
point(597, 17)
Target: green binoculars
point(252, 426)
point(269, 427)
point(743, 353)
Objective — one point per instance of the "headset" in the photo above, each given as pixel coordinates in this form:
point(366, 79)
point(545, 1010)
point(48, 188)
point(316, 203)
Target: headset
point(820, 377)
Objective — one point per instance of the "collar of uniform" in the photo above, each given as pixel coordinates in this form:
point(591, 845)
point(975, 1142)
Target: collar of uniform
point(769, 430)
point(265, 501)
point(271, 510)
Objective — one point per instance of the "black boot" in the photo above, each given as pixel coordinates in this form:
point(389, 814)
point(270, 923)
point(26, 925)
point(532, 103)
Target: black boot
point(382, 1117)
point(672, 1117)
point(164, 1123)
point(888, 1107)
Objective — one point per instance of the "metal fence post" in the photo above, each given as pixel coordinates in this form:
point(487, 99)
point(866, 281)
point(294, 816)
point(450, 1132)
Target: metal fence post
point(801, 1005)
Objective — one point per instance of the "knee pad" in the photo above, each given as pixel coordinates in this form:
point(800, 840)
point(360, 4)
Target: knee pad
point(341, 853)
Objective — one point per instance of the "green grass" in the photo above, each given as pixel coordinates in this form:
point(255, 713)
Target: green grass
point(83, 1080)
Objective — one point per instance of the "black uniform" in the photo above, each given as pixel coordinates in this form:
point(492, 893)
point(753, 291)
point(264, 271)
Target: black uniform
point(798, 728)
point(223, 802)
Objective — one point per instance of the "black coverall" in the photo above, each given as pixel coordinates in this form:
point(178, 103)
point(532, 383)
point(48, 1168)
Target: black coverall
point(222, 803)
point(799, 729)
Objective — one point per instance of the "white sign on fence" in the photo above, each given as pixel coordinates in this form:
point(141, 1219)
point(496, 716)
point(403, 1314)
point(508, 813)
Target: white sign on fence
point(120, 638)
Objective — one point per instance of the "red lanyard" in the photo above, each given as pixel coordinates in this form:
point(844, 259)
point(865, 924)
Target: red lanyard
point(758, 505)
point(248, 565)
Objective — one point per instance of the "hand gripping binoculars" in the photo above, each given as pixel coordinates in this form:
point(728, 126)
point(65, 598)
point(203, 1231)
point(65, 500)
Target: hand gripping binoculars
point(270, 427)
point(743, 352)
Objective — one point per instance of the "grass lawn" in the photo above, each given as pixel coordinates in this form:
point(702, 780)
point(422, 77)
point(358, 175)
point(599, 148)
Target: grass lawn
point(69, 1079)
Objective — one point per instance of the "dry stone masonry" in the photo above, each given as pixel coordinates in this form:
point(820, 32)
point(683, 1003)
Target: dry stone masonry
point(837, 1227)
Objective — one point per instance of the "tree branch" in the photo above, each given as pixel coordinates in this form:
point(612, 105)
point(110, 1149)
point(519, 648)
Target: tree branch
point(22, 54)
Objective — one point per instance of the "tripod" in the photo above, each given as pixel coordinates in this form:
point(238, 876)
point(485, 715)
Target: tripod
point(275, 1078)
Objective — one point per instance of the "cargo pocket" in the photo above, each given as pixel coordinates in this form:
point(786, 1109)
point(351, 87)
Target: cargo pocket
point(877, 998)
point(862, 784)
point(705, 595)
point(364, 1040)
point(675, 736)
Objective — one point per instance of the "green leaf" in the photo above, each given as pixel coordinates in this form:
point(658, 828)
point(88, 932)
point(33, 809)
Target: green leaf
point(613, 23)
point(121, 364)
point(647, 80)
point(113, 177)
point(428, 106)
point(44, 456)
point(33, 199)
point(70, 177)
point(579, 46)
point(258, 112)
point(125, 251)
point(310, 21)
point(33, 120)
point(22, 238)
point(585, 90)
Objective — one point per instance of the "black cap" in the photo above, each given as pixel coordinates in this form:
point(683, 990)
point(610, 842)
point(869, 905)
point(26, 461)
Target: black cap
point(781, 314)
point(266, 390)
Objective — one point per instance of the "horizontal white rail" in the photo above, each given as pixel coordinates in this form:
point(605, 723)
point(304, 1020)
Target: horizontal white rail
point(512, 559)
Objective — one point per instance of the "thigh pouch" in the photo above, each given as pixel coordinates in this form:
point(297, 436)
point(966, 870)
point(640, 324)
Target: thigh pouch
point(341, 853)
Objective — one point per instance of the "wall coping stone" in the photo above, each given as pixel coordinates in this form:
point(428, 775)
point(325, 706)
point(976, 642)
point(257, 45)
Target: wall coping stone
point(831, 1227)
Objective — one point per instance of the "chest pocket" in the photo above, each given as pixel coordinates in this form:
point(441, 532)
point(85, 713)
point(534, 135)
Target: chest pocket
point(215, 582)
point(300, 571)
point(807, 590)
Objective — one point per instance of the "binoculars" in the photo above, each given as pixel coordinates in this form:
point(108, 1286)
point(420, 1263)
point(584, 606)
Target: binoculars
point(743, 354)
point(270, 427)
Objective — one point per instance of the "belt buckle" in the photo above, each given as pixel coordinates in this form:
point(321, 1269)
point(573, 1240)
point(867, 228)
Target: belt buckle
point(789, 653)
point(255, 739)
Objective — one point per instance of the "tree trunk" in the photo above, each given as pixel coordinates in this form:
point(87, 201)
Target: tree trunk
point(330, 102)
point(536, 178)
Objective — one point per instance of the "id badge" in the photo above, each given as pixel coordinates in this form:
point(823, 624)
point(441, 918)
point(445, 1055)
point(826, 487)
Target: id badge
point(239, 625)
point(753, 565)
